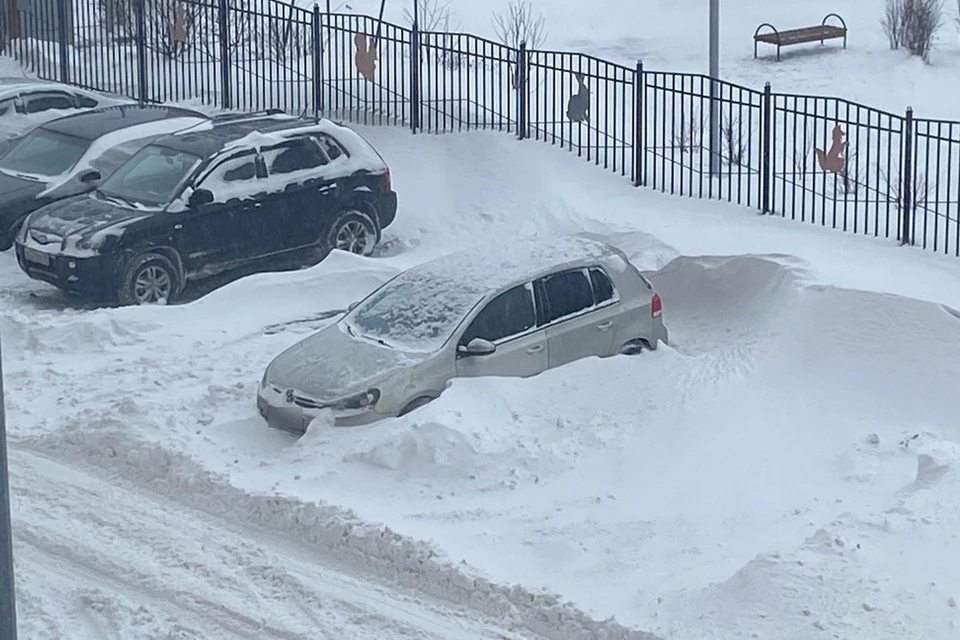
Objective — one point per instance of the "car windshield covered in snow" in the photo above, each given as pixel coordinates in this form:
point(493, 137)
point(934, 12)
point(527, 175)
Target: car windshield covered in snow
point(151, 177)
point(413, 313)
point(44, 153)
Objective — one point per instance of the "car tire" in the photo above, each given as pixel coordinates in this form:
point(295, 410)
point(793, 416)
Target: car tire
point(353, 231)
point(150, 278)
point(413, 405)
point(635, 347)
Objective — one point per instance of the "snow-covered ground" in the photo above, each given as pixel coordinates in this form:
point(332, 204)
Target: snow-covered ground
point(787, 469)
point(756, 477)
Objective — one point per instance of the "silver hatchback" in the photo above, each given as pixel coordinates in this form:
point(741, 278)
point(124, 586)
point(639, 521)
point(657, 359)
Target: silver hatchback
point(514, 309)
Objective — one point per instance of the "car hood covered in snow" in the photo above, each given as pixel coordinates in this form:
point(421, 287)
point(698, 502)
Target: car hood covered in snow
point(84, 214)
point(331, 364)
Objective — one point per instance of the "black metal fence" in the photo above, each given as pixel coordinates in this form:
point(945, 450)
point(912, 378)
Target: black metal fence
point(820, 160)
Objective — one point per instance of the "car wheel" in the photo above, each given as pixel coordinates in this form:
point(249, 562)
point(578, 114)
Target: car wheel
point(354, 232)
point(414, 405)
point(635, 347)
point(149, 278)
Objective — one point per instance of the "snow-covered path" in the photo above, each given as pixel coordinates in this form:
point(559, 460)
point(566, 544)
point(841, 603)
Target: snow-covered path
point(109, 559)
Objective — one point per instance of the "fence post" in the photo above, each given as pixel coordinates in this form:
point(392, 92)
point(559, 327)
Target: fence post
point(415, 78)
point(141, 51)
point(639, 121)
point(62, 28)
point(317, 67)
point(906, 176)
point(223, 18)
point(766, 175)
point(522, 92)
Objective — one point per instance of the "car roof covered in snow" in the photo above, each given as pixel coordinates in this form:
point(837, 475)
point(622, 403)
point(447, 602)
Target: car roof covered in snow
point(502, 264)
point(15, 84)
point(228, 129)
point(96, 123)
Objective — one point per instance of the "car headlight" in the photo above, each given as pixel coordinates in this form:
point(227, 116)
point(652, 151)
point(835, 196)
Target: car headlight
point(359, 401)
point(96, 242)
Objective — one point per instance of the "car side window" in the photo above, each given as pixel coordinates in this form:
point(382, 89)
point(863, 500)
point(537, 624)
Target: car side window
point(566, 293)
point(85, 102)
point(331, 147)
point(294, 155)
point(509, 314)
point(235, 177)
point(38, 102)
point(603, 290)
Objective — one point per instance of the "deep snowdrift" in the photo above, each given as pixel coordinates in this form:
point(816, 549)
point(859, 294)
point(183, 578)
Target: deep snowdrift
point(629, 485)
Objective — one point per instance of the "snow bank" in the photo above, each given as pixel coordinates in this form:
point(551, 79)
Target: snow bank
point(878, 572)
point(371, 549)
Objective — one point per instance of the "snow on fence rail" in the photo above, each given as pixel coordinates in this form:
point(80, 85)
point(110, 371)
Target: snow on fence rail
point(820, 160)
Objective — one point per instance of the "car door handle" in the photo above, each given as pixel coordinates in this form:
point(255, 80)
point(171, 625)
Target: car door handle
point(327, 188)
point(537, 348)
point(603, 326)
point(178, 226)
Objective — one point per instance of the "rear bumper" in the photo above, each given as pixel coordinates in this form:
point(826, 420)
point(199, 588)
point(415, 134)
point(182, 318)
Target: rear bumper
point(95, 276)
point(658, 334)
point(388, 208)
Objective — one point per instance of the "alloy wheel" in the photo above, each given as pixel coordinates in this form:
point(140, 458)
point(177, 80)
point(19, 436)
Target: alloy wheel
point(354, 237)
point(152, 285)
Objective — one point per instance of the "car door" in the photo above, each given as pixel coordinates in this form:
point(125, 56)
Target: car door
point(510, 322)
point(579, 322)
point(297, 166)
point(232, 229)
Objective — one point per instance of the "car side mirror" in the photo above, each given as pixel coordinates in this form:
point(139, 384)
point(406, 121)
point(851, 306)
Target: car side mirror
point(90, 176)
point(477, 347)
point(200, 197)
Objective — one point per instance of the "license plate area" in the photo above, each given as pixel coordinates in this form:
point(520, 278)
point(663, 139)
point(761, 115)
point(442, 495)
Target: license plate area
point(286, 418)
point(37, 257)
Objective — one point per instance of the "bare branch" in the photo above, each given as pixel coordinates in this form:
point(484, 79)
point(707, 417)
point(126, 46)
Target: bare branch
point(517, 25)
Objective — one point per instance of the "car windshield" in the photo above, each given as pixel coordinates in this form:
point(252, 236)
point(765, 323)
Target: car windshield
point(44, 153)
point(413, 312)
point(151, 177)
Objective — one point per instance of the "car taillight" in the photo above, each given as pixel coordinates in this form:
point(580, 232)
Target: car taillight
point(388, 184)
point(656, 306)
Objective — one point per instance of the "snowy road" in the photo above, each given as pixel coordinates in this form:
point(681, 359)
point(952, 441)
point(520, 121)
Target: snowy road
point(109, 559)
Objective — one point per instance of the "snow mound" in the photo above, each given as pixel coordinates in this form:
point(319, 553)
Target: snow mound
point(422, 446)
point(38, 334)
point(370, 549)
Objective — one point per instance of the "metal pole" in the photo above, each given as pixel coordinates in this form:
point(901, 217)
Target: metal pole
point(8, 607)
point(715, 150)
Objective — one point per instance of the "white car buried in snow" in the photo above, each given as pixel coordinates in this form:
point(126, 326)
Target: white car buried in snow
point(515, 309)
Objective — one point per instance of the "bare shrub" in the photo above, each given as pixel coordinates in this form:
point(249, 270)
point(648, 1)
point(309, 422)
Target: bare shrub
point(286, 38)
point(432, 15)
point(913, 24)
point(688, 132)
point(734, 147)
point(518, 24)
point(802, 153)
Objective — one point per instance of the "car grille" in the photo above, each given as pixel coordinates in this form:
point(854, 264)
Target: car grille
point(307, 403)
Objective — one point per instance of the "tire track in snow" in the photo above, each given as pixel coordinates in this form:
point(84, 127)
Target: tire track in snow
point(409, 584)
point(214, 580)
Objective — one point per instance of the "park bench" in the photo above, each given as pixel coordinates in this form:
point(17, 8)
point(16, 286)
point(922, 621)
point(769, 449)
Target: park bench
point(803, 35)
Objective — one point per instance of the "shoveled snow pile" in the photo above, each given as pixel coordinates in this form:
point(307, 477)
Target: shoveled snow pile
point(337, 534)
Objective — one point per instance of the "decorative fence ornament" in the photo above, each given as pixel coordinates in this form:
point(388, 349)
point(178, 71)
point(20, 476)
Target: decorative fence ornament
point(833, 160)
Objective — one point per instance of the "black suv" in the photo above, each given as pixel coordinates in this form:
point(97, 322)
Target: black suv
point(224, 196)
point(71, 155)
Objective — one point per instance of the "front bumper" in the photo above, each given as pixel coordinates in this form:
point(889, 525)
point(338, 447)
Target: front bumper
point(93, 276)
point(281, 412)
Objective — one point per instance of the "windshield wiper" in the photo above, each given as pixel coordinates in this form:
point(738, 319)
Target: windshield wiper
point(118, 199)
